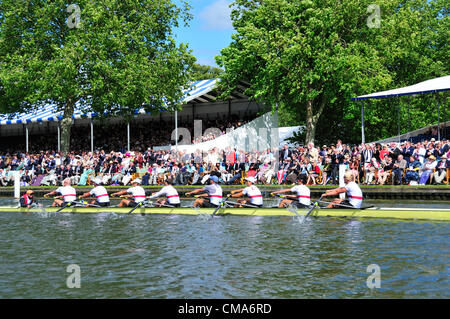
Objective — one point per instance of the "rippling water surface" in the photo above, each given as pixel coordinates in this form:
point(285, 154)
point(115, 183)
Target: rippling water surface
point(222, 257)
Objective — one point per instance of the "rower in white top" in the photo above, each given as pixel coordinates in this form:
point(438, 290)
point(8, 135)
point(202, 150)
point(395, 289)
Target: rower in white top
point(136, 193)
point(213, 191)
point(302, 197)
point(354, 194)
point(67, 193)
point(252, 191)
point(169, 192)
point(100, 193)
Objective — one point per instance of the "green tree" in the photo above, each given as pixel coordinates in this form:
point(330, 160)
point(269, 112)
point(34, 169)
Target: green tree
point(310, 57)
point(205, 72)
point(112, 56)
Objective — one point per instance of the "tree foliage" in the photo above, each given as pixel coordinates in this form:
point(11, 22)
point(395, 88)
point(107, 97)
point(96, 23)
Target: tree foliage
point(205, 72)
point(310, 57)
point(113, 56)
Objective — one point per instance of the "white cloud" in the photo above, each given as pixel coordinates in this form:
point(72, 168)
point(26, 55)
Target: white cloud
point(217, 16)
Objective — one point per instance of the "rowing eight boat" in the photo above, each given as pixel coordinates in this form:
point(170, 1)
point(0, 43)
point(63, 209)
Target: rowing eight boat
point(441, 214)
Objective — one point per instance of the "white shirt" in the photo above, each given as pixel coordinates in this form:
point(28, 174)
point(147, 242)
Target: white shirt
point(303, 194)
point(100, 193)
point(422, 152)
point(138, 193)
point(170, 192)
point(126, 162)
point(68, 193)
point(255, 195)
point(354, 194)
point(215, 193)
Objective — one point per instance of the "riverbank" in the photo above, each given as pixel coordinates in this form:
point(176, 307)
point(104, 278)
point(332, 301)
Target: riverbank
point(423, 192)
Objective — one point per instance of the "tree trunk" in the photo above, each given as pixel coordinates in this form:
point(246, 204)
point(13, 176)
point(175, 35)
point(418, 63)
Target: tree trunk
point(312, 119)
point(66, 125)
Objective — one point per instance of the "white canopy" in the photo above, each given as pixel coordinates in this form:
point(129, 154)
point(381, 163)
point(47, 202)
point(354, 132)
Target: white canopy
point(433, 85)
point(429, 86)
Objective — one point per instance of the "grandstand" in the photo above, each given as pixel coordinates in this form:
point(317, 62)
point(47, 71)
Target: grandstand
point(28, 131)
point(422, 134)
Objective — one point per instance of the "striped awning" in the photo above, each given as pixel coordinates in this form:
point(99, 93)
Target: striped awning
point(49, 112)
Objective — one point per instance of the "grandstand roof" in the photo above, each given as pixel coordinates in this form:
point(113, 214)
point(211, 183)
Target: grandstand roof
point(198, 92)
point(429, 86)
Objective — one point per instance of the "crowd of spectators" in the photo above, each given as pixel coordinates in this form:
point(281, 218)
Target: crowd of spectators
point(426, 162)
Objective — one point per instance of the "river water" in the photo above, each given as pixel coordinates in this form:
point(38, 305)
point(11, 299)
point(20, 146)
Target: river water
point(222, 257)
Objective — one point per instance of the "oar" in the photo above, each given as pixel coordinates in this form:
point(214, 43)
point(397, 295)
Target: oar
point(222, 203)
point(245, 205)
point(347, 206)
point(161, 205)
point(280, 196)
point(138, 205)
point(84, 203)
point(294, 197)
point(164, 205)
point(314, 206)
point(68, 205)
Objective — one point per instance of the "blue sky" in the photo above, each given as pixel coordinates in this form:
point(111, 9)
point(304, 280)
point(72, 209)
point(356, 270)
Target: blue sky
point(209, 31)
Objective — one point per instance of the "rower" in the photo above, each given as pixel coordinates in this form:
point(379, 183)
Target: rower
point(27, 199)
point(354, 193)
point(68, 194)
point(251, 191)
point(136, 192)
point(100, 193)
point(303, 194)
point(170, 192)
point(213, 190)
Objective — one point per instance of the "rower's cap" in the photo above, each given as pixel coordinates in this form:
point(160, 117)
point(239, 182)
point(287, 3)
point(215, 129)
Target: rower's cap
point(97, 181)
point(432, 157)
point(30, 192)
point(251, 179)
point(136, 181)
point(433, 139)
point(214, 178)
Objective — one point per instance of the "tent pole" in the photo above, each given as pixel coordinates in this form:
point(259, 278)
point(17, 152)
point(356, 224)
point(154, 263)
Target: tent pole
point(362, 123)
point(398, 122)
point(26, 138)
point(92, 137)
point(176, 131)
point(439, 124)
point(59, 138)
point(128, 136)
point(409, 116)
